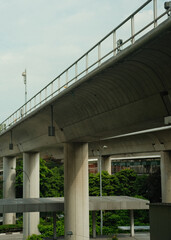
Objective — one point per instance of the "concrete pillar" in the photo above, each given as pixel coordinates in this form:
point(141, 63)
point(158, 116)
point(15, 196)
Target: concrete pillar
point(106, 164)
point(76, 191)
point(166, 176)
point(9, 175)
point(31, 189)
point(94, 223)
point(132, 222)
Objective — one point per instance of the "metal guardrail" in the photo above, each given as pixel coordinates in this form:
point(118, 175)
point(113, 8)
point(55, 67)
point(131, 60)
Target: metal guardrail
point(84, 64)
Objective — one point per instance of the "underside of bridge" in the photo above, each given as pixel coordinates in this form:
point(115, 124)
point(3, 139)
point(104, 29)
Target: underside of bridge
point(128, 93)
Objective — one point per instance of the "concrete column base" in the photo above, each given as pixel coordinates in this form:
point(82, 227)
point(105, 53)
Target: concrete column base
point(9, 175)
point(76, 191)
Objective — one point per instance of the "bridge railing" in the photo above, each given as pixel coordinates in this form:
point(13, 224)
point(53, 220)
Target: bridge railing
point(108, 47)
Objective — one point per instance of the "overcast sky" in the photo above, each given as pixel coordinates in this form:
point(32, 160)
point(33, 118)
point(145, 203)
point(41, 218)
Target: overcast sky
point(46, 36)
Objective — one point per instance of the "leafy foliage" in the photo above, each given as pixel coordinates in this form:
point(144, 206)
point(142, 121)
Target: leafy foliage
point(46, 228)
point(51, 180)
point(122, 183)
point(11, 228)
point(19, 179)
point(35, 237)
point(154, 187)
point(125, 182)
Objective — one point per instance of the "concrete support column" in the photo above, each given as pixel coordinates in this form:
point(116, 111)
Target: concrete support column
point(9, 175)
point(106, 164)
point(31, 189)
point(94, 223)
point(132, 222)
point(76, 191)
point(166, 176)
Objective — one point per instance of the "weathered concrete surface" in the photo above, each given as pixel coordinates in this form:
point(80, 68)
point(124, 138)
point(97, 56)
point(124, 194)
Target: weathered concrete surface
point(166, 176)
point(31, 189)
point(141, 236)
point(57, 204)
point(76, 201)
point(9, 175)
point(160, 221)
point(125, 94)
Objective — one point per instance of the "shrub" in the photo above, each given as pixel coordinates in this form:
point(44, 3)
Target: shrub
point(35, 237)
point(114, 237)
point(10, 228)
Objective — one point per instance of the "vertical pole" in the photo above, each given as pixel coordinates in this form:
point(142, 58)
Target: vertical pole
point(66, 85)
point(52, 89)
point(114, 43)
point(45, 94)
point(99, 54)
point(25, 86)
point(155, 12)
point(35, 102)
point(132, 30)
point(59, 85)
point(76, 71)
point(132, 222)
point(86, 63)
point(101, 213)
point(40, 97)
point(94, 223)
point(54, 225)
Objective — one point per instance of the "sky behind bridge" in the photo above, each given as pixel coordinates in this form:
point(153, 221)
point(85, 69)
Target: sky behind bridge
point(46, 36)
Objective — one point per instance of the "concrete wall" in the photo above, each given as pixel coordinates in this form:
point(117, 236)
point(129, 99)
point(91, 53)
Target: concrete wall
point(160, 221)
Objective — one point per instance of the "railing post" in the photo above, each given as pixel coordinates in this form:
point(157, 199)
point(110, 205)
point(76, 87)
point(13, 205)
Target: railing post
point(59, 85)
point(30, 105)
point(25, 109)
point(76, 71)
point(132, 29)
point(66, 78)
point(114, 43)
point(99, 54)
point(35, 102)
point(52, 89)
point(155, 12)
point(45, 94)
point(86, 63)
point(40, 98)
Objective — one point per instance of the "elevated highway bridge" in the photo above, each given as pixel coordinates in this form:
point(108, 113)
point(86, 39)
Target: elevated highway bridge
point(122, 99)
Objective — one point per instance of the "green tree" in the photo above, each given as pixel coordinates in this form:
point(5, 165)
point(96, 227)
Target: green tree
point(154, 187)
point(51, 180)
point(19, 179)
point(45, 176)
point(126, 178)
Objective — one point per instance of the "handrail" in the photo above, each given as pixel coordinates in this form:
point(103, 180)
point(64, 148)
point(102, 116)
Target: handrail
point(58, 85)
